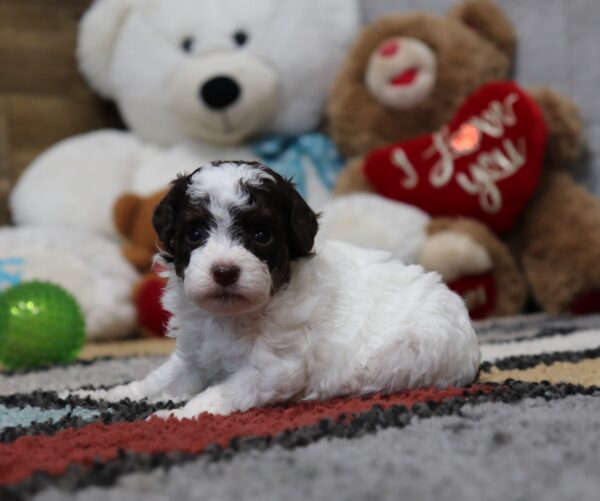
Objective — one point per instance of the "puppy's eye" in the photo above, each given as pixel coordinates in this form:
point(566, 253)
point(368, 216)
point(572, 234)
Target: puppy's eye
point(187, 44)
point(195, 234)
point(240, 38)
point(263, 237)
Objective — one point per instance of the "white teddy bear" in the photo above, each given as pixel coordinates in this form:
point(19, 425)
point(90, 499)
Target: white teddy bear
point(89, 267)
point(193, 81)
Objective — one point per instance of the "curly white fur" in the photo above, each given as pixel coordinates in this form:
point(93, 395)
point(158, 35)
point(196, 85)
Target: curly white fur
point(351, 321)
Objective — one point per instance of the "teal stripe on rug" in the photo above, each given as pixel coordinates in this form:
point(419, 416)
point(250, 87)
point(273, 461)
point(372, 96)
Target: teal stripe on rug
point(26, 416)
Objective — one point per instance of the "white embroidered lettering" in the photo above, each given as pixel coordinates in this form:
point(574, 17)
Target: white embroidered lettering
point(400, 160)
point(488, 170)
point(497, 117)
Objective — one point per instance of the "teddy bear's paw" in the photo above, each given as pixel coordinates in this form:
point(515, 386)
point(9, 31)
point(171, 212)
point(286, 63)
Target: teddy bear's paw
point(586, 303)
point(466, 266)
point(454, 255)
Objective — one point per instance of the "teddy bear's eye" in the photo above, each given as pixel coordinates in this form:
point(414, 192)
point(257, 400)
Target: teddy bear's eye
point(187, 44)
point(240, 38)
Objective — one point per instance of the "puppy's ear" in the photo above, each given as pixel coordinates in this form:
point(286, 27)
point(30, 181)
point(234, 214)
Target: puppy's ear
point(165, 214)
point(301, 222)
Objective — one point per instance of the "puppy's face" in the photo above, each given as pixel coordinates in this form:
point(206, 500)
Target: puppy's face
point(231, 229)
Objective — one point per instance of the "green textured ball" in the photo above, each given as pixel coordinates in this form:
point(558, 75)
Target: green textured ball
point(40, 324)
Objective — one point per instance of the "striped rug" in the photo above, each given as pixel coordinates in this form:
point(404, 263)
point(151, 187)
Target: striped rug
point(529, 428)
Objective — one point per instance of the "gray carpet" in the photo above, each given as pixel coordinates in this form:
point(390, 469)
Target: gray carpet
point(101, 372)
point(532, 450)
point(528, 430)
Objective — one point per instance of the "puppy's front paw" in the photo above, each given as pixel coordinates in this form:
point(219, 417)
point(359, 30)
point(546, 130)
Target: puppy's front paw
point(195, 407)
point(131, 391)
point(166, 414)
point(178, 414)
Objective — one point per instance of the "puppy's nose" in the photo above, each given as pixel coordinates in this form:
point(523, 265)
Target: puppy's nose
point(225, 274)
point(220, 92)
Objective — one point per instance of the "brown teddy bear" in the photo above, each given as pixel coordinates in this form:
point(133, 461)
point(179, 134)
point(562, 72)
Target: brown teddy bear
point(132, 216)
point(423, 109)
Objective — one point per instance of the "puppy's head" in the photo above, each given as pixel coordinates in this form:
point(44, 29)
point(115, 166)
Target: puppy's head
point(231, 230)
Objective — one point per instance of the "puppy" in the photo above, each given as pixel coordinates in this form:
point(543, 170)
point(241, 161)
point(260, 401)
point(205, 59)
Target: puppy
point(260, 318)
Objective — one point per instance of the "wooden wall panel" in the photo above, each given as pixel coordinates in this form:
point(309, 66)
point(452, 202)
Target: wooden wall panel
point(43, 98)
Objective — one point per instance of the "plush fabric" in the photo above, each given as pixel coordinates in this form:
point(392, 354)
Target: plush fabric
point(558, 47)
point(132, 216)
point(193, 84)
point(554, 238)
point(368, 111)
point(45, 100)
point(89, 267)
point(487, 167)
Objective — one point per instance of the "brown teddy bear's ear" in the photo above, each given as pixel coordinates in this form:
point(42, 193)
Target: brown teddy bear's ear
point(489, 22)
point(125, 211)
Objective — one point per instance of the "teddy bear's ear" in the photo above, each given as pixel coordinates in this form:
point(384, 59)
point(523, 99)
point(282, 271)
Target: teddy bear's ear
point(98, 30)
point(484, 17)
point(125, 212)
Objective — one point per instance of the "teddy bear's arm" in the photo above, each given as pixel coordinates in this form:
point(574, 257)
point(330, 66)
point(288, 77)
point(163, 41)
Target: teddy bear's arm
point(76, 182)
point(558, 244)
point(352, 179)
point(565, 126)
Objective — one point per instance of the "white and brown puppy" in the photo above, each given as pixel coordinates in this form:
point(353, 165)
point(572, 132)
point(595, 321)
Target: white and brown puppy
point(260, 318)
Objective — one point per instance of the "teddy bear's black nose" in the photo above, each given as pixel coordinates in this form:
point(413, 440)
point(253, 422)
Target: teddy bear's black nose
point(220, 92)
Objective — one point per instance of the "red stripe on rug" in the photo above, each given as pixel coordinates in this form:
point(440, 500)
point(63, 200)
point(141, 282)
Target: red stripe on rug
point(100, 442)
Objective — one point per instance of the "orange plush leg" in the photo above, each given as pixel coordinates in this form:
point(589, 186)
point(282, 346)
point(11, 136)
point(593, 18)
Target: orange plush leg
point(477, 265)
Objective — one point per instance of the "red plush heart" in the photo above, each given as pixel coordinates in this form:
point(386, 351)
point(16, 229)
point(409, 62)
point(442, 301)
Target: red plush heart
point(478, 292)
point(152, 318)
point(485, 164)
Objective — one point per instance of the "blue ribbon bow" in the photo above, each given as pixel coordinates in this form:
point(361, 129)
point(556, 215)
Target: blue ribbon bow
point(286, 156)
